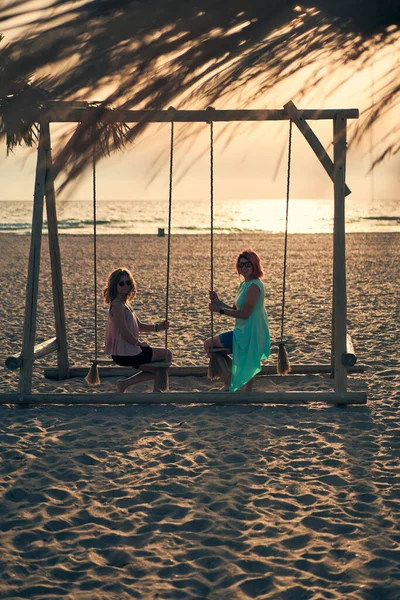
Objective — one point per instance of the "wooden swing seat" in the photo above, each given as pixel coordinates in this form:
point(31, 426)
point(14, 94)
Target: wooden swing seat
point(156, 364)
point(160, 364)
point(220, 350)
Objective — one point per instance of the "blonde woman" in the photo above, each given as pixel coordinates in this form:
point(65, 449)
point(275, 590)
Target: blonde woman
point(123, 331)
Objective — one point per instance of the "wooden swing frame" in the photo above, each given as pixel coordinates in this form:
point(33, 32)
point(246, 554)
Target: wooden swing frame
point(342, 352)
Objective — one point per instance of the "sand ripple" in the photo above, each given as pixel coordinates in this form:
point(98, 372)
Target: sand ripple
point(247, 512)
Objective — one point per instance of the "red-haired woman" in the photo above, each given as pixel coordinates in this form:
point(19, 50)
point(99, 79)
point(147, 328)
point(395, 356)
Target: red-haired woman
point(124, 327)
point(250, 339)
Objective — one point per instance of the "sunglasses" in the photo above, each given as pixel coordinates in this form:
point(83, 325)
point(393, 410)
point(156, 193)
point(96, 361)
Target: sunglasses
point(122, 283)
point(244, 265)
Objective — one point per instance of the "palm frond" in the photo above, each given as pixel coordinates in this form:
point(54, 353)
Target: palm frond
point(19, 110)
point(154, 53)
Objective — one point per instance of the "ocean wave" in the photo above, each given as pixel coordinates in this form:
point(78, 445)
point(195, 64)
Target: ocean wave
point(75, 223)
point(15, 226)
point(206, 229)
point(67, 224)
point(382, 218)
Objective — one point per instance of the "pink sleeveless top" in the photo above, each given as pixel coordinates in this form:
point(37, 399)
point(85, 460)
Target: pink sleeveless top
point(115, 343)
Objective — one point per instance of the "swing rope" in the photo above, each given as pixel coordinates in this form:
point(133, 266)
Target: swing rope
point(283, 366)
point(171, 171)
point(215, 369)
point(212, 217)
point(92, 378)
point(95, 256)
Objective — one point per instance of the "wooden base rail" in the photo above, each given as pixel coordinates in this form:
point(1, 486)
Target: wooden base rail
point(186, 398)
point(191, 371)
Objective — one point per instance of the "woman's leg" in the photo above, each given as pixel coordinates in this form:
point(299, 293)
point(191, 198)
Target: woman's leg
point(160, 373)
point(248, 387)
point(226, 386)
point(213, 342)
point(147, 373)
point(161, 355)
point(123, 384)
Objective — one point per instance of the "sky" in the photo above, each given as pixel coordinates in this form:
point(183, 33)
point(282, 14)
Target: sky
point(249, 159)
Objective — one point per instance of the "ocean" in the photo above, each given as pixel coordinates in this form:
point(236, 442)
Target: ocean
point(193, 217)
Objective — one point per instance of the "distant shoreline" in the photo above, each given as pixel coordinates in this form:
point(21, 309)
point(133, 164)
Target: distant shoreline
point(194, 218)
point(201, 235)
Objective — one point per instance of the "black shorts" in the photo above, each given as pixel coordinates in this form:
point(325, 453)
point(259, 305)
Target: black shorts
point(142, 358)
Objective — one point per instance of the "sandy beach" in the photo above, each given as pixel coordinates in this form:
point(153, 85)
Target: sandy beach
point(213, 502)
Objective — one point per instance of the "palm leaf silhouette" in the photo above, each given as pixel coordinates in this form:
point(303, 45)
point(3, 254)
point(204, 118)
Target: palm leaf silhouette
point(154, 53)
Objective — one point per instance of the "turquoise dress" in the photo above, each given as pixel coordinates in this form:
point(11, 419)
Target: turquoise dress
point(251, 339)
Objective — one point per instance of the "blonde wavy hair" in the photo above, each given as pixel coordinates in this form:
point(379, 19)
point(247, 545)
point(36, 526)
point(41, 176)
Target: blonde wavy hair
point(110, 291)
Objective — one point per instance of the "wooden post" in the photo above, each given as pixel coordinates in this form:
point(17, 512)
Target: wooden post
point(32, 285)
point(55, 260)
point(333, 326)
point(339, 251)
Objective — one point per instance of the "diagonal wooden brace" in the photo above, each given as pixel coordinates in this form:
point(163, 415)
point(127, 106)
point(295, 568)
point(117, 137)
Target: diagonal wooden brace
point(320, 152)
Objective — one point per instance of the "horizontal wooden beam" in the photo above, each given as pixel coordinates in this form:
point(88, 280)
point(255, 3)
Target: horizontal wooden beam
point(186, 398)
point(68, 113)
point(192, 371)
point(15, 361)
point(349, 358)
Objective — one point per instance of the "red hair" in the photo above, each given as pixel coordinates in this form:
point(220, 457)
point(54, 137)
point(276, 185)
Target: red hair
point(255, 260)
